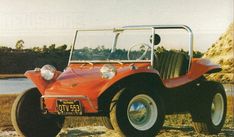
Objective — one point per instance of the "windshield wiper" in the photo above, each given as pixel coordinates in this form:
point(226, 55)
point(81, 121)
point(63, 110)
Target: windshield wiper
point(87, 62)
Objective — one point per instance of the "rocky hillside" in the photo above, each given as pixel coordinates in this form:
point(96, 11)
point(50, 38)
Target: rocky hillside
point(222, 52)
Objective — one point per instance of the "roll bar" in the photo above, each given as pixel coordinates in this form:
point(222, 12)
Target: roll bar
point(155, 27)
point(145, 27)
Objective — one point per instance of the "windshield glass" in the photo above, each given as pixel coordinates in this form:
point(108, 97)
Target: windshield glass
point(112, 45)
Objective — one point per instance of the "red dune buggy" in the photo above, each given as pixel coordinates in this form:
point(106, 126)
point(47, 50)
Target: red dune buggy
point(117, 74)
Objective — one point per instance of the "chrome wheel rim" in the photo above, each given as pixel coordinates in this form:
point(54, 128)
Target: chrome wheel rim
point(217, 109)
point(142, 112)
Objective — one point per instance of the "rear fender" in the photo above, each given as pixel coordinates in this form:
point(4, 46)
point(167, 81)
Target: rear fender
point(199, 67)
point(202, 66)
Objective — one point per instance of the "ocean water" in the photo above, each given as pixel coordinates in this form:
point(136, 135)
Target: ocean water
point(14, 85)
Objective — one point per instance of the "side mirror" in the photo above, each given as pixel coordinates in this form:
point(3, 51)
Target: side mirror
point(157, 39)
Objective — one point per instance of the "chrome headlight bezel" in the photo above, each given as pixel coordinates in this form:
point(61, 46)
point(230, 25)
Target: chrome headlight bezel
point(47, 72)
point(108, 71)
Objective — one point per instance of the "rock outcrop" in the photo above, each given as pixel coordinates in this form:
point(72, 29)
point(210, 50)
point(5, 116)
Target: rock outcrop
point(222, 52)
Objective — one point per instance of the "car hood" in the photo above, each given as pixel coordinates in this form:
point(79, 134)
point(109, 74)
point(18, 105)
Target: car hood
point(79, 77)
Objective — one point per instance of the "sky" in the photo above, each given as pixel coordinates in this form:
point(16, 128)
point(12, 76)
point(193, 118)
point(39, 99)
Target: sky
point(43, 22)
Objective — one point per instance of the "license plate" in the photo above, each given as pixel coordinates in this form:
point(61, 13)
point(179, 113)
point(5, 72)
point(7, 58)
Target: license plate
point(69, 107)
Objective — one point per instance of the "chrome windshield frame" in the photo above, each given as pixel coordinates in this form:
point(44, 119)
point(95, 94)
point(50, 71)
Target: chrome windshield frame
point(141, 27)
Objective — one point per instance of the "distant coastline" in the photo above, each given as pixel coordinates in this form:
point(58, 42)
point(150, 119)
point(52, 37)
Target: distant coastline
point(6, 76)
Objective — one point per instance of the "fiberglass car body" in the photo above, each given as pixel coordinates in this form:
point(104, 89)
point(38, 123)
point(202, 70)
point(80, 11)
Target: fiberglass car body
point(131, 95)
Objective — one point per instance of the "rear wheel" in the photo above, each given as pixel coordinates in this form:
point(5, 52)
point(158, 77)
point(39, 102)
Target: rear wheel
point(28, 120)
point(210, 111)
point(137, 113)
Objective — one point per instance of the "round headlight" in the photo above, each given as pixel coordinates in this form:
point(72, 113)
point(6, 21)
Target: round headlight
point(108, 71)
point(47, 72)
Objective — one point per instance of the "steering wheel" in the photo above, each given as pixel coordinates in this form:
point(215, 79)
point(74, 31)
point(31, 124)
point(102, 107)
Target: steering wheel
point(141, 45)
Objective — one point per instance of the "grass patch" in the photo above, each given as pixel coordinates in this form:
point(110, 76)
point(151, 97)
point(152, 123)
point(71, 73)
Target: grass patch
point(6, 102)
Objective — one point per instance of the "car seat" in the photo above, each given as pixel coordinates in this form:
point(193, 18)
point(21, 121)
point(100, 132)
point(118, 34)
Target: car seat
point(171, 64)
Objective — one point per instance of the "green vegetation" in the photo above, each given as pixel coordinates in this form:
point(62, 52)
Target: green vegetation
point(18, 60)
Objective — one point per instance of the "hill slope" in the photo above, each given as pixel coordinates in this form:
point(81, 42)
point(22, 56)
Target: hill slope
point(222, 52)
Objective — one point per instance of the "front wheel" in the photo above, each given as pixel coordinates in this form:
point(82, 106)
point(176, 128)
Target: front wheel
point(28, 120)
point(137, 112)
point(210, 112)
point(106, 122)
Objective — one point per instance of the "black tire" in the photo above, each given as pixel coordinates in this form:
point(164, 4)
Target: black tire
point(208, 118)
point(106, 122)
point(121, 118)
point(28, 120)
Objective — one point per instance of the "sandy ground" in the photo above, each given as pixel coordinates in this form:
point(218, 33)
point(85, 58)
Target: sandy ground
point(101, 131)
point(179, 125)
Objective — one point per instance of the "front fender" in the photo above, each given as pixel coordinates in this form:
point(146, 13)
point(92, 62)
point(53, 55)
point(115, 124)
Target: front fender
point(39, 82)
point(126, 74)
